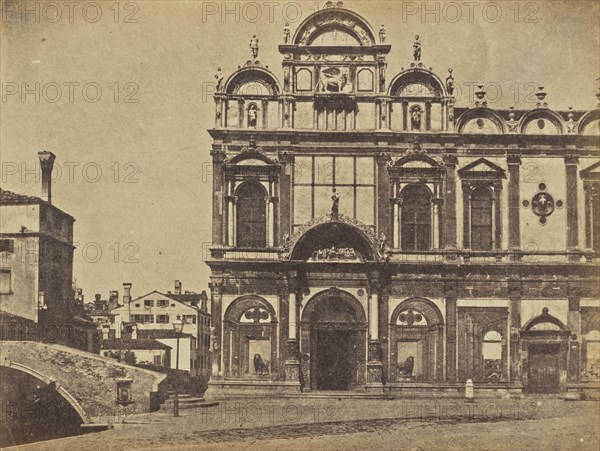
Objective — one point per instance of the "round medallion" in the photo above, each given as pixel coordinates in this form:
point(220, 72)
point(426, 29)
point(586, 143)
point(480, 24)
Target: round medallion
point(542, 204)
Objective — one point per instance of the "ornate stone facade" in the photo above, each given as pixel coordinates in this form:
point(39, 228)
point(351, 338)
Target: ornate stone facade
point(393, 240)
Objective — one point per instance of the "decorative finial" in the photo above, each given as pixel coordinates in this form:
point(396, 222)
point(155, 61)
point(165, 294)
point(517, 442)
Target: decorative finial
point(541, 95)
point(219, 77)
point(286, 33)
point(335, 206)
point(480, 94)
point(450, 82)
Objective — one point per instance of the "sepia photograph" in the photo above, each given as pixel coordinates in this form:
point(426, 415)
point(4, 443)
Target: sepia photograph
point(304, 225)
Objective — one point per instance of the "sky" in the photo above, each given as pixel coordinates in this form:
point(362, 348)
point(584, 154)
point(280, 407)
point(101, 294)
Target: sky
point(121, 92)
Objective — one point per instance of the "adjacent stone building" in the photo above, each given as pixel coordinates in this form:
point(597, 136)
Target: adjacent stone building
point(368, 235)
point(37, 301)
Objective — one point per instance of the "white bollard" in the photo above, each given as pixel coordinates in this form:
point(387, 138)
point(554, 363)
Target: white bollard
point(469, 390)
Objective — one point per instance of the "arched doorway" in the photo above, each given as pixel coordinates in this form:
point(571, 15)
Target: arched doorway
point(333, 342)
point(545, 343)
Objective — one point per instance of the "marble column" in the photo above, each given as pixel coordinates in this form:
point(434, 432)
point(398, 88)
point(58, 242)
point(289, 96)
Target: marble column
point(571, 162)
point(514, 297)
point(374, 364)
point(449, 205)
point(451, 330)
point(292, 362)
point(574, 325)
point(217, 225)
point(216, 340)
point(514, 226)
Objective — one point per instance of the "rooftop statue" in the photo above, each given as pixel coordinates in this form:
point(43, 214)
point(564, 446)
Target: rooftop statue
point(254, 46)
point(417, 49)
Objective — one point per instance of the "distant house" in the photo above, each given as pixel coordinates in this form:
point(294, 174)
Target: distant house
point(36, 269)
point(152, 316)
point(99, 311)
point(146, 351)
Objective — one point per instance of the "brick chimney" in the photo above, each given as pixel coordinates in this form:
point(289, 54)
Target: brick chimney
point(47, 163)
point(126, 293)
point(178, 287)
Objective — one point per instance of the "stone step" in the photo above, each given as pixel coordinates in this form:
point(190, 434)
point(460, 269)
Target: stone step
point(189, 403)
point(338, 394)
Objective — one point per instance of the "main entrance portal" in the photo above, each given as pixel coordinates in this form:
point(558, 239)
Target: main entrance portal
point(333, 342)
point(335, 359)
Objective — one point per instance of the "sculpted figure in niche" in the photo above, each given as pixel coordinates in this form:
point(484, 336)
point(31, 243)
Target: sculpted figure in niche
point(252, 115)
point(415, 119)
point(254, 46)
point(417, 49)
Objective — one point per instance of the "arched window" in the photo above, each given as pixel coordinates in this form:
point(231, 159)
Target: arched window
point(481, 219)
point(251, 216)
point(416, 218)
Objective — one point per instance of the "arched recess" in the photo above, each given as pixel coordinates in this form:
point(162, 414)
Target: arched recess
point(480, 113)
point(331, 19)
point(416, 332)
point(253, 74)
point(417, 76)
point(338, 235)
point(541, 114)
point(333, 334)
point(51, 383)
point(589, 123)
point(250, 328)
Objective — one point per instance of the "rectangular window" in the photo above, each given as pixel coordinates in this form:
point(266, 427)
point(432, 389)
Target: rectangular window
point(148, 303)
point(162, 319)
point(5, 285)
point(142, 319)
point(352, 177)
point(7, 246)
point(157, 360)
point(189, 319)
point(162, 303)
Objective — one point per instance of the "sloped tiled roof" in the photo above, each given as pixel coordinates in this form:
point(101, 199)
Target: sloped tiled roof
point(10, 198)
point(159, 333)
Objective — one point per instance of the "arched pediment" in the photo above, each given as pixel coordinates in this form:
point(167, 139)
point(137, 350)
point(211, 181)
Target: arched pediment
point(417, 75)
point(334, 240)
point(534, 323)
point(250, 303)
point(251, 157)
point(589, 124)
point(480, 120)
point(417, 161)
point(322, 307)
point(252, 81)
point(354, 30)
point(547, 122)
point(431, 315)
